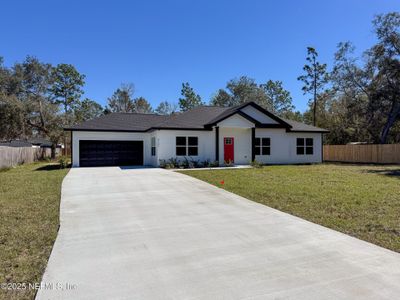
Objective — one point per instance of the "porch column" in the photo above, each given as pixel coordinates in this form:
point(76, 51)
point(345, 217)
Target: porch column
point(253, 144)
point(217, 143)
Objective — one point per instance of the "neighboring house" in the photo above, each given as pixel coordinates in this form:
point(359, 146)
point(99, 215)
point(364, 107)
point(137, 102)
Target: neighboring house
point(239, 134)
point(33, 142)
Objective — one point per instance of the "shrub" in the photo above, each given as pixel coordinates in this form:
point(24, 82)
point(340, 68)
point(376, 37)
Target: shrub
point(228, 163)
point(46, 159)
point(194, 163)
point(214, 164)
point(172, 163)
point(256, 164)
point(186, 163)
point(63, 161)
point(163, 163)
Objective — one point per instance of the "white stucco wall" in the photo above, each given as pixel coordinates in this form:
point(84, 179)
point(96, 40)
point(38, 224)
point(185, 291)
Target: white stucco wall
point(242, 144)
point(111, 136)
point(283, 147)
point(166, 144)
point(258, 115)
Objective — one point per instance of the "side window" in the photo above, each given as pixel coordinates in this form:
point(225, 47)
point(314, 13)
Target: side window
point(193, 145)
point(181, 146)
point(153, 146)
point(309, 146)
point(305, 146)
point(263, 146)
point(187, 146)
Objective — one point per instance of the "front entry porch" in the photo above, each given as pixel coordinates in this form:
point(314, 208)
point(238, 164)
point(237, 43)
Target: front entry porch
point(235, 145)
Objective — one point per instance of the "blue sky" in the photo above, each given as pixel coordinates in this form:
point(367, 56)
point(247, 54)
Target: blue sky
point(157, 45)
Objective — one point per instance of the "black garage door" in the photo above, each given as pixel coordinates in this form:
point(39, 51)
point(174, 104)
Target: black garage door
point(110, 153)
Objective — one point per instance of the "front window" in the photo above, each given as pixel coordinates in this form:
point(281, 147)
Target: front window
point(153, 146)
point(263, 146)
point(305, 146)
point(187, 146)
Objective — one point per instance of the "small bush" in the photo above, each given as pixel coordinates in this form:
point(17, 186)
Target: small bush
point(186, 163)
point(228, 163)
point(256, 164)
point(46, 159)
point(214, 164)
point(63, 161)
point(163, 163)
point(172, 163)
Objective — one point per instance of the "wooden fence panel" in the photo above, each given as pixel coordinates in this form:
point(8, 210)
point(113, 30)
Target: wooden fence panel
point(381, 154)
point(13, 156)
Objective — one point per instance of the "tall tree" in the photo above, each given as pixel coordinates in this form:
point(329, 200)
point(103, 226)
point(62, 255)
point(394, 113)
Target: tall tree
point(385, 58)
point(39, 113)
point(141, 105)
point(166, 108)
point(270, 95)
point(66, 87)
point(222, 98)
point(245, 89)
point(374, 86)
point(189, 98)
point(87, 109)
point(314, 79)
point(279, 100)
point(11, 115)
point(122, 99)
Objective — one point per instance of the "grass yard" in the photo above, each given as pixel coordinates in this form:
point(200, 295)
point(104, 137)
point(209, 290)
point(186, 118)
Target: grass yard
point(360, 200)
point(29, 218)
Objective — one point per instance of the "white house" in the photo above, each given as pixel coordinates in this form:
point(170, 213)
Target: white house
point(239, 134)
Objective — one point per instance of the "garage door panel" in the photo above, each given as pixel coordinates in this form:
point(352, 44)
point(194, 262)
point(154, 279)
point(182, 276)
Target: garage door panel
point(110, 153)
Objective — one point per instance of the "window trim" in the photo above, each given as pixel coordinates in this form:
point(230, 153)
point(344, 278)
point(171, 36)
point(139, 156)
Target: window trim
point(260, 147)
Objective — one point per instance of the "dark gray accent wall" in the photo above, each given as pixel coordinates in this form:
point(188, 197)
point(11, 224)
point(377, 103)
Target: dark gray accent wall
point(217, 143)
point(253, 144)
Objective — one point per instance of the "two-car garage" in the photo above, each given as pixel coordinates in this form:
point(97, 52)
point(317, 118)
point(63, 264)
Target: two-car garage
point(93, 153)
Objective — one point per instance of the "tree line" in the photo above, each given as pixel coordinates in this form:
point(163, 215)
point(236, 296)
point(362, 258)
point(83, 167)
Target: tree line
point(357, 99)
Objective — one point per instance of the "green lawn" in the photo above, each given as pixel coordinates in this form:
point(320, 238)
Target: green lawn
point(29, 219)
point(362, 201)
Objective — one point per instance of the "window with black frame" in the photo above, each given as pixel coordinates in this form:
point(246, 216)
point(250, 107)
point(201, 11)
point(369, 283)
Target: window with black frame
point(187, 146)
point(193, 142)
point(305, 146)
point(153, 146)
point(263, 146)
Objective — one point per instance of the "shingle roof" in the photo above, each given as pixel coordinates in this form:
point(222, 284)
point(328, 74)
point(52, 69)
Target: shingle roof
point(194, 118)
point(197, 118)
point(16, 143)
point(121, 122)
point(298, 126)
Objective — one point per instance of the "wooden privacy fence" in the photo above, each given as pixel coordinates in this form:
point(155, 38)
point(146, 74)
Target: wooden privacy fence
point(12, 156)
point(380, 154)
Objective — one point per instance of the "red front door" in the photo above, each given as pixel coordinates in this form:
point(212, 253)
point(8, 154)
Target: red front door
point(228, 149)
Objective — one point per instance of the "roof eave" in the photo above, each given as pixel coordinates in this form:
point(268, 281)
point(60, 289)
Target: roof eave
point(310, 131)
point(102, 129)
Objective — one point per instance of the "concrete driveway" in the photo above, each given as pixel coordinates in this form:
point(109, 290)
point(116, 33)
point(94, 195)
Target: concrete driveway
point(156, 234)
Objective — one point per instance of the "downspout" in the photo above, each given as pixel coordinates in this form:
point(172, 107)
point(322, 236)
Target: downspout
point(253, 144)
